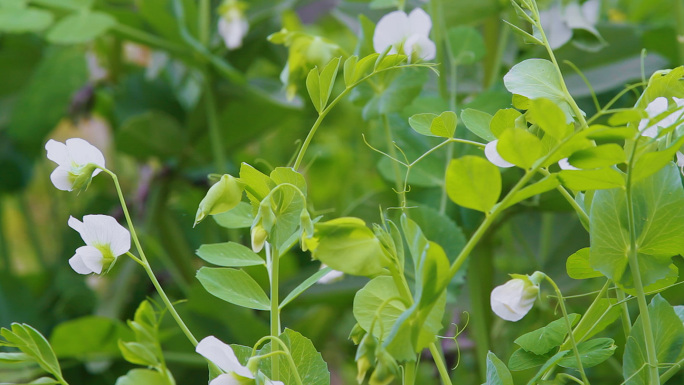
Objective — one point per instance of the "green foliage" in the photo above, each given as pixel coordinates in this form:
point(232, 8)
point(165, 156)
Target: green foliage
point(478, 123)
point(320, 85)
point(473, 182)
point(310, 365)
point(234, 286)
point(33, 345)
point(520, 147)
point(497, 373)
point(229, 254)
point(442, 125)
point(546, 338)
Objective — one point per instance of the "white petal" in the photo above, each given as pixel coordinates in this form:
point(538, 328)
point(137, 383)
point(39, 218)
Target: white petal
point(332, 276)
point(76, 263)
point(557, 32)
point(232, 31)
point(574, 17)
point(225, 379)
point(680, 159)
point(105, 230)
point(269, 382)
point(678, 101)
point(82, 153)
point(591, 10)
point(494, 157)
point(57, 152)
point(419, 22)
point(61, 178)
point(656, 107)
point(423, 47)
point(75, 224)
point(565, 165)
point(511, 301)
point(91, 257)
point(392, 29)
point(222, 355)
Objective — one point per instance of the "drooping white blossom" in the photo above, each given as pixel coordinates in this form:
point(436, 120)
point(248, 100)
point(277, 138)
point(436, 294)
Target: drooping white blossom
point(493, 155)
point(76, 163)
point(514, 299)
point(331, 276)
point(232, 25)
point(558, 21)
point(565, 165)
point(407, 34)
point(223, 356)
point(105, 240)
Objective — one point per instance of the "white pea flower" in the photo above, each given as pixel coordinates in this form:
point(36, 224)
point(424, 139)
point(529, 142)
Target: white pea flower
point(656, 107)
point(559, 20)
point(332, 276)
point(514, 299)
point(77, 162)
point(232, 25)
point(222, 355)
point(493, 155)
point(105, 240)
point(565, 165)
point(407, 33)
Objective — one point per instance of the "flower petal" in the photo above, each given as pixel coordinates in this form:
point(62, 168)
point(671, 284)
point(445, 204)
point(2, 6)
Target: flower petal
point(76, 224)
point(105, 230)
point(225, 379)
point(222, 355)
point(331, 277)
point(391, 30)
point(557, 32)
point(656, 107)
point(421, 46)
point(61, 179)
point(514, 299)
point(419, 22)
point(57, 152)
point(494, 157)
point(565, 165)
point(76, 263)
point(591, 10)
point(680, 159)
point(91, 258)
point(82, 153)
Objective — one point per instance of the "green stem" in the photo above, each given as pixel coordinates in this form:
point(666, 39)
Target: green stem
point(273, 259)
point(274, 355)
point(584, 218)
point(624, 314)
point(441, 366)
point(438, 34)
point(680, 29)
point(145, 263)
point(672, 371)
point(561, 302)
point(409, 373)
point(398, 179)
point(136, 35)
point(632, 256)
point(495, 64)
point(214, 130)
point(204, 21)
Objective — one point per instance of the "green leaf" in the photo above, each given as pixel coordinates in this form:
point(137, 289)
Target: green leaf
point(542, 340)
point(389, 61)
point(238, 218)
point(138, 353)
point(520, 147)
point(581, 180)
point(307, 283)
point(367, 301)
point(497, 372)
point(320, 85)
point(234, 286)
point(27, 339)
point(658, 202)
point(443, 125)
point(80, 27)
point(521, 359)
point(537, 78)
point(547, 115)
point(313, 86)
point(502, 120)
point(549, 363)
point(650, 163)
point(309, 363)
point(257, 184)
point(283, 175)
point(579, 267)
point(361, 69)
point(599, 132)
point(151, 134)
point(473, 182)
point(73, 5)
point(13, 358)
point(20, 20)
point(347, 245)
point(478, 123)
point(348, 69)
point(229, 254)
point(466, 43)
point(592, 353)
point(397, 95)
point(604, 155)
point(545, 184)
point(668, 333)
point(142, 376)
point(97, 336)
point(599, 316)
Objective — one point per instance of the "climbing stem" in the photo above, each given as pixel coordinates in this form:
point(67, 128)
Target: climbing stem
point(273, 260)
point(441, 366)
point(145, 263)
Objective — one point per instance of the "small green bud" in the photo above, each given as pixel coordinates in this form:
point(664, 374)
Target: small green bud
point(385, 370)
point(253, 364)
point(259, 236)
point(357, 333)
point(268, 217)
point(82, 178)
point(223, 196)
point(365, 356)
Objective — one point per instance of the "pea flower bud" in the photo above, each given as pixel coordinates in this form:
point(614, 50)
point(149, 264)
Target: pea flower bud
point(77, 163)
point(514, 299)
point(259, 236)
point(386, 369)
point(223, 196)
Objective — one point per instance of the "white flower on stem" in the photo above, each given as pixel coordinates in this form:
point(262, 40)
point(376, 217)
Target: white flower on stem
point(77, 162)
point(223, 356)
point(655, 108)
point(232, 25)
point(96, 72)
point(565, 165)
point(407, 33)
point(559, 20)
point(493, 155)
point(105, 240)
point(514, 299)
point(332, 276)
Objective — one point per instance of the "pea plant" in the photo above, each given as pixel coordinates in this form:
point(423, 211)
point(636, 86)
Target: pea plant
point(618, 171)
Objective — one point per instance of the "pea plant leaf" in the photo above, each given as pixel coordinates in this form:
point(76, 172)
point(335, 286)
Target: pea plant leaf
point(308, 362)
point(473, 182)
point(229, 254)
point(234, 286)
point(478, 123)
